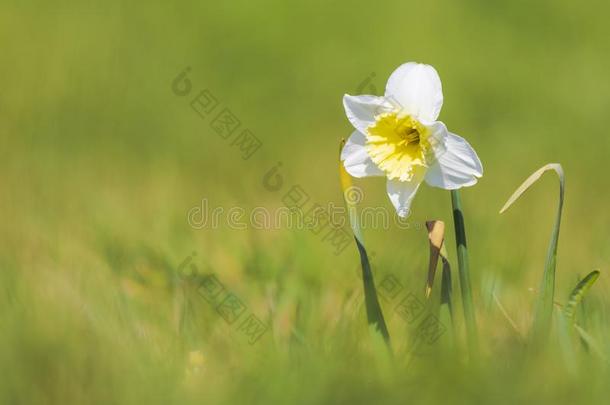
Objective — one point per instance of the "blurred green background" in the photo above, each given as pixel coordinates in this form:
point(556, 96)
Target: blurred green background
point(101, 162)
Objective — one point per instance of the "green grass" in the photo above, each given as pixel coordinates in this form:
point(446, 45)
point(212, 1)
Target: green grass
point(101, 162)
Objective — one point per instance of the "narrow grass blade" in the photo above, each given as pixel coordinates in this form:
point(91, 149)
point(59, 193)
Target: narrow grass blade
point(446, 310)
point(464, 271)
point(578, 293)
point(544, 304)
point(564, 334)
point(446, 288)
point(510, 320)
point(373, 309)
point(591, 342)
point(436, 237)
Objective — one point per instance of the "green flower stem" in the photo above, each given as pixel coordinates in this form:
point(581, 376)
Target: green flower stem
point(462, 253)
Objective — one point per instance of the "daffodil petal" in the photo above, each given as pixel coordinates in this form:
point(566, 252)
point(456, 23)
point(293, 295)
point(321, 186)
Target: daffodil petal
point(362, 110)
point(456, 164)
point(401, 193)
point(437, 137)
point(415, 88)
point(356, 159)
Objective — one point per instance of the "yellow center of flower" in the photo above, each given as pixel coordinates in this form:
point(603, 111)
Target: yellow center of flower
point(398, 145)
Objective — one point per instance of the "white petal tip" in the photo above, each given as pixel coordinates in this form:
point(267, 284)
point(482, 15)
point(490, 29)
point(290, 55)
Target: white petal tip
point(403, 212)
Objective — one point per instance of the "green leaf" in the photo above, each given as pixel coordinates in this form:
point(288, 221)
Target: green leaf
point(504, 313)
point(446, 288)
point(373, 309)
point(591, 342)
point(578, 293)
point(564, 334)
point(544, 304)
point(567, 324)
point(436, 239)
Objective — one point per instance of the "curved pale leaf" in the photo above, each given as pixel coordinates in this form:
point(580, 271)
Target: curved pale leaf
point(532, 179)
point(544, 304)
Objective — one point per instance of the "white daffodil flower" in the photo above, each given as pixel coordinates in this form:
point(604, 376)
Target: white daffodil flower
point(398, 136)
